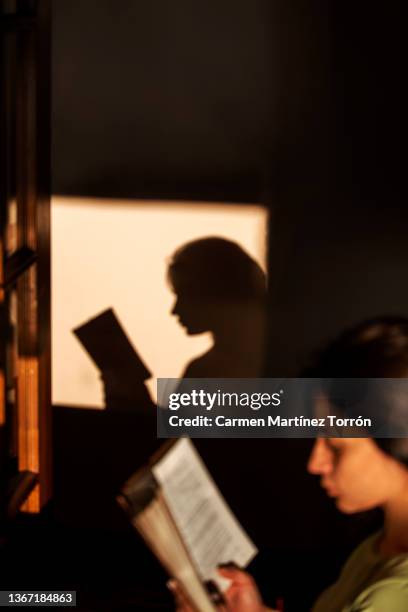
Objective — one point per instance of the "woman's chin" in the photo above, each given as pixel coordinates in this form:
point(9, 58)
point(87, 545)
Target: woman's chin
point(194, 330)
point(191, 331)
point(345, 508)
point(348, 507)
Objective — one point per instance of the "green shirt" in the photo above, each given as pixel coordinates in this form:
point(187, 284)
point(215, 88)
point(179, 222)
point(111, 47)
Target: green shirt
point(368, 582)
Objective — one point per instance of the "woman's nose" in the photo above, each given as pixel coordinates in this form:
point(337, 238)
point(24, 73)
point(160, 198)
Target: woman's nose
point(320, 460)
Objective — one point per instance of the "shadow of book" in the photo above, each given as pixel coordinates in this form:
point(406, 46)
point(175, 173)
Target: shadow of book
point(123, 372)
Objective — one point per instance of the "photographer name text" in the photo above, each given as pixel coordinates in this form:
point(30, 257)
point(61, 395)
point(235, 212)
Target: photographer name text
point(270, 421)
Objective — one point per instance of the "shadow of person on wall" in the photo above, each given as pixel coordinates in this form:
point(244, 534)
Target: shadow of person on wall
point(220, 289)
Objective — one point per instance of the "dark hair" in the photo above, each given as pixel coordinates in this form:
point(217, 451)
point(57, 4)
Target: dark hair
point(216, 268)
point(377, 348)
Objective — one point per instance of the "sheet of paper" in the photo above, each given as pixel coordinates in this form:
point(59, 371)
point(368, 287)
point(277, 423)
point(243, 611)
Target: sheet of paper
point(210, 530)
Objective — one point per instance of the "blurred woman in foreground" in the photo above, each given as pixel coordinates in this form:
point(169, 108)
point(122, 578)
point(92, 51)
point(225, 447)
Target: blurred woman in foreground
point(360, 474)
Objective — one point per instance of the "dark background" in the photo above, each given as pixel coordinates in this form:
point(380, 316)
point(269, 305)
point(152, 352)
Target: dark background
point(158, 98)
point(198, 99)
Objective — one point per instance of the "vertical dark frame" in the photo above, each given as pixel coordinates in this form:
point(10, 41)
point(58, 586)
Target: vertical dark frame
point(25, 173)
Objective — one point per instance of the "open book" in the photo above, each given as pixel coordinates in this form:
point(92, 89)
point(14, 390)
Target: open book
point(180, 513)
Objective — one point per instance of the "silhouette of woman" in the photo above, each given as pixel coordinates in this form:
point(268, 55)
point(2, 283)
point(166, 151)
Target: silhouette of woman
point(219, 288)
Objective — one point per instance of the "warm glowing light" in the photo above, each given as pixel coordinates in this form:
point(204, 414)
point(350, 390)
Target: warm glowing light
point(115, 254)
point(28, 424)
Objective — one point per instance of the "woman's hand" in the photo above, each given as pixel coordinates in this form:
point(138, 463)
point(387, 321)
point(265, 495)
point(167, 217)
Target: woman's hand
point(241, 596)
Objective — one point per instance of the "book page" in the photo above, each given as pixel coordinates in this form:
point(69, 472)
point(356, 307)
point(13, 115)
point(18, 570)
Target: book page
point(209, 529)
point(157, 528)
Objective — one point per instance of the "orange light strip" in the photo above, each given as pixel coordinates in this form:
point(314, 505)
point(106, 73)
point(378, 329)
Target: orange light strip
point(28, 424)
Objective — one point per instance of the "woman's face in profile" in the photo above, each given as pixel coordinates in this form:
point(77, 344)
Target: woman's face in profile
point(192, 313)
point(356, 472)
